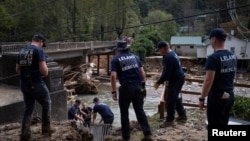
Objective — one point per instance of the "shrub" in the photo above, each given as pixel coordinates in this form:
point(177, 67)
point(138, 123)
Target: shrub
point(241, 108)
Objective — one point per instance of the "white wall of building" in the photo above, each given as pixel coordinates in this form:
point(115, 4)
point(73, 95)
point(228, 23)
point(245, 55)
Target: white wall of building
point(185, 50)
point(202, 52)
point(240, 47)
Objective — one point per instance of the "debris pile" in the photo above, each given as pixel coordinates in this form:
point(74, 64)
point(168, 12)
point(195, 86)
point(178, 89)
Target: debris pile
point(78, 80)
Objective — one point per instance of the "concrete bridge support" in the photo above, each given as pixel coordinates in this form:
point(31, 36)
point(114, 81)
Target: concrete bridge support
point(12, 110)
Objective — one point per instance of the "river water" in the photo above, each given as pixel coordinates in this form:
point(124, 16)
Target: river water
point(152, 100)
point(9, 94)
point(150, 105)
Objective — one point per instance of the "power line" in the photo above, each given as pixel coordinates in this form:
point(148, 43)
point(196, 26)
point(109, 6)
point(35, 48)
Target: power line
point(147, 24)
point(163, 21)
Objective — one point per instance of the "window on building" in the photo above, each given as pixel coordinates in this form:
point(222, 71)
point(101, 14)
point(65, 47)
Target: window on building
point(243, 50)
point(191, 46)
point(178, 47)
point(232, 49)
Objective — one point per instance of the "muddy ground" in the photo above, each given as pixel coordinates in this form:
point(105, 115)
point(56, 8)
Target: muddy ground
point(193, 130)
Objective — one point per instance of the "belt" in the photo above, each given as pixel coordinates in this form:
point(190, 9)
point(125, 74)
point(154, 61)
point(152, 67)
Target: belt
point(130, 83)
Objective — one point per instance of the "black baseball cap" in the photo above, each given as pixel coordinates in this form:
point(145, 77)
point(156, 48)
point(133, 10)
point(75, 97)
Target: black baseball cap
point(96, 99)
point(78, 101)
point(41, 37)
point(162, 44)
point(218, 33)
point(121, 45)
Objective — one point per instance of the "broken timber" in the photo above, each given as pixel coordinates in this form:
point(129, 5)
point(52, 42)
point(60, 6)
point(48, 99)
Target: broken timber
point(199, 93)
point(162, 107)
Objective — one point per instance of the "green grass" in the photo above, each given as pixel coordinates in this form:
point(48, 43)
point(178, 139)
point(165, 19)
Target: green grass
point(241, 108)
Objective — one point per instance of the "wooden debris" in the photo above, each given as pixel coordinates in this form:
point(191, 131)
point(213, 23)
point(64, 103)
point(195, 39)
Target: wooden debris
point(77, 80)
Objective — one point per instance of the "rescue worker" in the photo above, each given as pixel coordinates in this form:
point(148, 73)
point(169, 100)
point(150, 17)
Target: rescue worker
point(104, 110)
point(32, 67)
point(174, 77)
point(127, 67)
point(74, 112)
point(221, 67)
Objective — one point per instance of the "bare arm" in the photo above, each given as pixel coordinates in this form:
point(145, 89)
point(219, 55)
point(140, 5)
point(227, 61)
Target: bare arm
point(207, 84)
point(113, 78)
point(79, 117)
point(208, 81)
point(94, 117)
point(143, 74)
point(43, 68)
point(17, 68)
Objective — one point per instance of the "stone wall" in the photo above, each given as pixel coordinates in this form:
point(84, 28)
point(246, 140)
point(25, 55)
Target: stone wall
point(8, 70)
point(14, 112)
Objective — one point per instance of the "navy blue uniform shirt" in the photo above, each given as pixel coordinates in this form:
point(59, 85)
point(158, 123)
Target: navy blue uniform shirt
point(104, 110)
point(172, 69)
point(72, 111)
point(224, 63)
point(28, 60)
point(127, 65)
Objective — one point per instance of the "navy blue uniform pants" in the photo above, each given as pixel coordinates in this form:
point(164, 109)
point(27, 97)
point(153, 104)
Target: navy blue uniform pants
point(35, 92)
point(108, 120)
point(173, 101)
point(127, 94)
point(218, 108)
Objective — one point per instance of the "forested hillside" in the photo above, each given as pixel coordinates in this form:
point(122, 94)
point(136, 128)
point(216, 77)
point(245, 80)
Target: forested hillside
point(83, 20)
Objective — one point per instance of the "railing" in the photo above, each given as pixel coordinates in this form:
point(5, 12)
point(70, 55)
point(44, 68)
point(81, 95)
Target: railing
point(11, 48)
point(59, 46)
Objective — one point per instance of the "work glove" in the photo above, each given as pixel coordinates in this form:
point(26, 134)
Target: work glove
point(156, 85)
point(143, 90)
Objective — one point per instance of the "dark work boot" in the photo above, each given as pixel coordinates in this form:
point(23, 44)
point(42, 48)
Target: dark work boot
point(25, 133)
point(147, 138)
point(182, 118)
point(25, 137)
point(47, 130)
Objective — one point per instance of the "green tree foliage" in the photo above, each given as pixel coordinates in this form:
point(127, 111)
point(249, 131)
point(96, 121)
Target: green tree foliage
point(241, 108)
point(83, 20)
point(132, 20)
point(166, 29)
point(142, 46)
point(145, 42)
point(144, 6)
point(6, 23)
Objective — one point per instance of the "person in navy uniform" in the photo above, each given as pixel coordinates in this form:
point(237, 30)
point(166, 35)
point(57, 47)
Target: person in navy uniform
point(104, 110)
point(218, 84)
point(32, 68)
point(173, 75)
point(127, 67)
point(74, 112)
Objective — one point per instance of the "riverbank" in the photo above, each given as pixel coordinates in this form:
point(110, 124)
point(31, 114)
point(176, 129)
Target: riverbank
point(66, 131)
point(193, 129)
